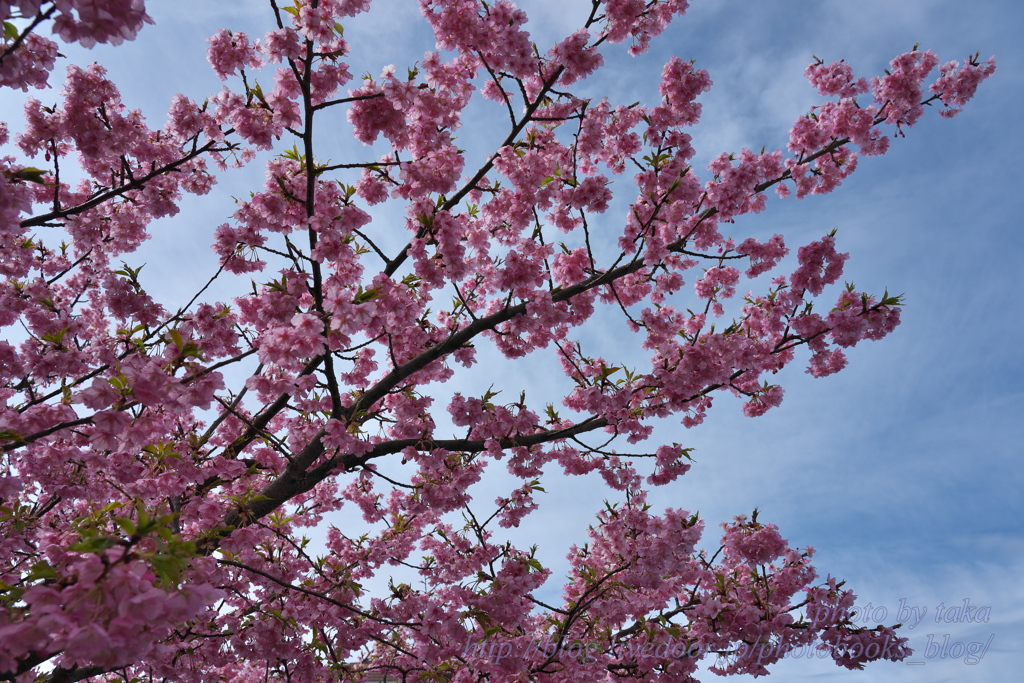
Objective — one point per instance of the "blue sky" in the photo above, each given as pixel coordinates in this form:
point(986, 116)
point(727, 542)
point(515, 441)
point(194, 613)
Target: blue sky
point(903, 470)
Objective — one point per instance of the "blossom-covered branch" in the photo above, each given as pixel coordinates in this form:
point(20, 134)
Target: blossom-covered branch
point(159, 468)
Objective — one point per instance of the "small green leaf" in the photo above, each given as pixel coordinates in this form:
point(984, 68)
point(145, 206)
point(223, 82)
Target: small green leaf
point(57, 337)
point(42, 571)
point(292, 154)
point(127, 525)
point(176, 338)
point(32, 175)
point(130, 273)
point(93, 545)
point(10, 435)
point(110, 507)
point(368, 295)
point(168, 568)
point(888, 300)
point(10, 31)
point(489, 395)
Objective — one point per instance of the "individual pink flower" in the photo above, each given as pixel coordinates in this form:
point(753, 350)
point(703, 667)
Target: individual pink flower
point(835, 79)
point(576, 58)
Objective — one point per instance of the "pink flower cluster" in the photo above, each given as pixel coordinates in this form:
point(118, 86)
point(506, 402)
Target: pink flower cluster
point(957, 84)
point(99, 21)
point(86, 22)
point(231, 52)
point(109, 613)
point(29, 65)
point(640, 21)
point(900, 91)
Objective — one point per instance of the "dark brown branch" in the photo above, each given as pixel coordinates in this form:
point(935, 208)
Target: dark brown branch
point(136, 184)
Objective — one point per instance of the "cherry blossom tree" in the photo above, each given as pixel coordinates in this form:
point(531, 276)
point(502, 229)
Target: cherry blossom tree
point(160, 467)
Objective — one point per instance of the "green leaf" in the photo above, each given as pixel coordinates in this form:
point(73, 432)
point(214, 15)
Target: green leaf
point(278, 285)
point(56, 338)
point(110, 507)
point(42, 571)
point(292, 154)
point(32, 175)
point(10, 31)
point(489, 395)
point(888, 300)
point(168, 567)
point(176, 338)
point(363, 296)
point(127, 525)
point(13, 593)
point(129, 272)
point(10, 435)
point(93, 545)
